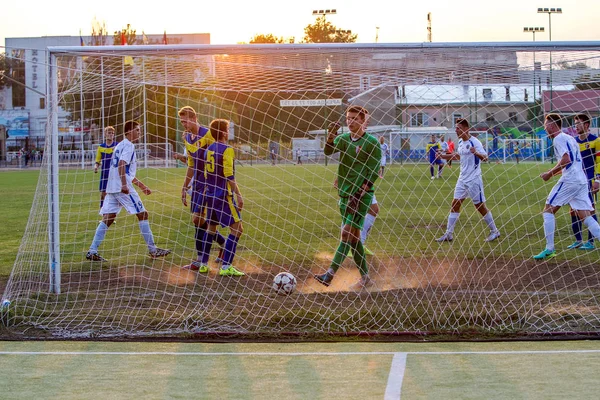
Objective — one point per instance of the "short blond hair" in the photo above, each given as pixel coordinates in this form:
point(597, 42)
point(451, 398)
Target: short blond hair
point(109, 129)
point(187, 111)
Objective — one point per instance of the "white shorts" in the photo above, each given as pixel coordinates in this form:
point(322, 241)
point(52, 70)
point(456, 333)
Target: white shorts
point(374, 201)
point(577, 195)
point(383, 161)
point(113, 202)
point(472, 189)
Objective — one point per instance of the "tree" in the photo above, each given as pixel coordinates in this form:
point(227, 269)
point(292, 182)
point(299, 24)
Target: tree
point(130, 36)
point(587, 82)
point(323, 31)
point(99, 34)
point(4, 71)
point(270, 38)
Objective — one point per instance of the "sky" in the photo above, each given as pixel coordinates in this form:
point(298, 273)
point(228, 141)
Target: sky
point(234, 21)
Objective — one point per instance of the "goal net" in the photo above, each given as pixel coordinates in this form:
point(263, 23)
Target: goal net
point(279, 100)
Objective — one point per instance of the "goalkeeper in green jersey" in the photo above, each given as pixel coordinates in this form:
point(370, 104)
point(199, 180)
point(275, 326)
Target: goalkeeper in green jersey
point(360, 156)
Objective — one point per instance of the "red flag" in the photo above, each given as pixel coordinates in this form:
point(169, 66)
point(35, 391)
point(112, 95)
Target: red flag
point(123, 40)
point(165, 38)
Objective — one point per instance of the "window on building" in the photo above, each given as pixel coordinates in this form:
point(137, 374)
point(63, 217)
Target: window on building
point(456, 116)
point(419, 119)
point(512, 116)
point(42, 103)
point(489, 117)
point(487, 94)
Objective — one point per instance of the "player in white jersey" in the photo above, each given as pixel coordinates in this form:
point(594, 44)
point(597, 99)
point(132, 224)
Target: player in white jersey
point(385, 150)
point(470, 184)
point(572, 187)
point(120, 193)
point(444, 148)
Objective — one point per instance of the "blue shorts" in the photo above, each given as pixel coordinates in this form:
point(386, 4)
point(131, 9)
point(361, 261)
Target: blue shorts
point(222, 211)
point(103, 182)
point(437, 161)
point(197, 201)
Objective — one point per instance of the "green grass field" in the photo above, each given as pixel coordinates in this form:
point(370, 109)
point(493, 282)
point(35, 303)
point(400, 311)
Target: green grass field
point(292, 224)
point(86, 370)
point(353, 370)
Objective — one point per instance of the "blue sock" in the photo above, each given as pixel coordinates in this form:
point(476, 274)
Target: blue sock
point(576, 226)
point(230, 246)
point(207, 241)
point(147, 234)
point(98, 237)
point(198, 238)
point(590, 236)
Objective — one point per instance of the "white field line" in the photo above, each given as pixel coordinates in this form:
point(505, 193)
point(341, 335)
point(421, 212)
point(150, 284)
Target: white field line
point(393, 390)
point(283, 354)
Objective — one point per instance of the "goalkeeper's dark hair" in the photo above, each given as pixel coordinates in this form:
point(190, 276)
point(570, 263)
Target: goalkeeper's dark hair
point(462, 122)
point(583, 118)
point(361, 111)
point(130, 125)
point(555, 118)
point(219, 128)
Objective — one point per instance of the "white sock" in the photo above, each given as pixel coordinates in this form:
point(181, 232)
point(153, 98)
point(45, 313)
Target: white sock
point(549, 223)
point(452, 218)
point(147, 234)
point(331, 272)
point(592, 226)
point(98, 237)
point(489, 220)
point(364, 233)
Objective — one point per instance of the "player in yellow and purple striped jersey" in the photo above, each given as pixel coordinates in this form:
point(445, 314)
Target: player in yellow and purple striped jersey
point(589, 146)
point(103, 157)
point(224, 200)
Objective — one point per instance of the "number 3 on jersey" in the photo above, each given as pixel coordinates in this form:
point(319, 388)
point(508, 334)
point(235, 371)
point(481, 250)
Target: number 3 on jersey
point(210, 161)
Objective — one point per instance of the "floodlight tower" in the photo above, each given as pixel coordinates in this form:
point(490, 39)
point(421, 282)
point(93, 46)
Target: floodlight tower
point(550, 11)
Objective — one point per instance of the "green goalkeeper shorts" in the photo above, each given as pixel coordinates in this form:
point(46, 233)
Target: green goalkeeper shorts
point(358, 219)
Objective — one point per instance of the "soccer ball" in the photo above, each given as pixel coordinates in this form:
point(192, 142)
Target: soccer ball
point(284, 283)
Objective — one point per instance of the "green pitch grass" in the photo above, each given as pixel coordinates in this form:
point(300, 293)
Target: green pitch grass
point(291, 213)
point(85, 370)
point(292, 224)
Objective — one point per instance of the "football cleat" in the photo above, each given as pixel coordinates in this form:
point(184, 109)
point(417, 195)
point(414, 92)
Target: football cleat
point(545, 254)
point(446, 237)
point(94, 257)
point(324, 279)
point(230, 271)
point(197, 266)
point(587, 246)
point(492, 236)
point(159, 253)
point(577, 244)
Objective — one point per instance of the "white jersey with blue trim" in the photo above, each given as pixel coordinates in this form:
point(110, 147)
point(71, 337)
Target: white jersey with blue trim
point(124, 151)
point(573, 172)
point(470, 164)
